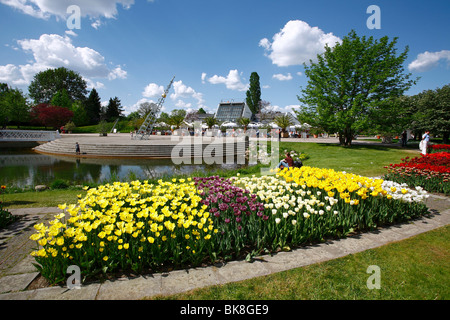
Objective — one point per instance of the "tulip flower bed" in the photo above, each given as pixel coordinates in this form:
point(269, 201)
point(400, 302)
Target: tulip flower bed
point(440, 148)
point(431, 171)
point(144, 227)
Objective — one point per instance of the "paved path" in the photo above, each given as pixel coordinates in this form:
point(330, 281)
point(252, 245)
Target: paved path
point(17, 272)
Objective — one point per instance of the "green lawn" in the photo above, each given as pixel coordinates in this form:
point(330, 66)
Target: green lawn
point(48, 198)
point(412, 269)
point(367, 160)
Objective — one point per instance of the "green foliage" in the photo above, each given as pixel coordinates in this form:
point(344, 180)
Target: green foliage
point(176, 118)
point(6, 217)
point(430, 111)
point(350, 82)
point(244, 122)
point(113, 109)
point(93, 107)
point(69, 126)
point(47, 83)
point(284, 121)
point(59, 184)
point(211, 122)
point(254, 93)
point(13, 106)
point(62, 99)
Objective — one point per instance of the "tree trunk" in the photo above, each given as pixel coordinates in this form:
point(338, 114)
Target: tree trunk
point(346, 137)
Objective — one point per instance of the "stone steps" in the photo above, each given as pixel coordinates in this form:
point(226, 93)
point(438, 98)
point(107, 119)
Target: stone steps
point(63, 147)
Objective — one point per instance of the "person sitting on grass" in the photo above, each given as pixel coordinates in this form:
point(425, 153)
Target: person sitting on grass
point(286, 162)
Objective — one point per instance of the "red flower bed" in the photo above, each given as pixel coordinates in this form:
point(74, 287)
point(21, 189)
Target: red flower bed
point(440, 147)
point(431, 171)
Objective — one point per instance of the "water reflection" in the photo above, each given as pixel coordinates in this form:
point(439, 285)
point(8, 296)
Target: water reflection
point(23, 168)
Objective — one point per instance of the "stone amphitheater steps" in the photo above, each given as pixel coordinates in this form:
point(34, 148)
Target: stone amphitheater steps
point(149, 150)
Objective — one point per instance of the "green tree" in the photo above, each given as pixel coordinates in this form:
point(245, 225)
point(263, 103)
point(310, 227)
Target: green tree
point(244, 122)
point(164, 117)
point(211, 122)
point(47, 83)
point(61, 99)
point(176, 118)
point(430, 110)
point(80, 117)
point(254, 94)
point(284, 121)
point(93, 107)
point(113, 109)
point(350, 82)
point(14, 107)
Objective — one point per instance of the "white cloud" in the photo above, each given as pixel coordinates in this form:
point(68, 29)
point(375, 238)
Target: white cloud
point(183, 91)
point(118, 72)
point(203, 77)
point(152, 90)
point(54, 51)
point(286, 109)
point(282, 77)
point(428, 60)
point(129, 109)
point(45, 8)
point(297, 43)
point(232, 81)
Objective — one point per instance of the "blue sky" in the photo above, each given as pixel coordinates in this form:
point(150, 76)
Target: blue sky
point(132, 48)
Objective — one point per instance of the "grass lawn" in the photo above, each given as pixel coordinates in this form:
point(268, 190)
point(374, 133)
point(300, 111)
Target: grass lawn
point(48, 198)
point(366, 160)
point(412, 269)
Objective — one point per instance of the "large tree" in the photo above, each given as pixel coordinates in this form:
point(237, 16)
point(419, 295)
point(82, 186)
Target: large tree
point(349, 83)
point(254, 94)
point(13, 106)
point(430, 110)
point(93, 107)
point(47, 83)
point(51, 116)
point(113, 109)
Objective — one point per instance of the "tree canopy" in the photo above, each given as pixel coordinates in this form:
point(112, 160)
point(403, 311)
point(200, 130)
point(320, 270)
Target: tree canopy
point(47, 83)
point(13, 106)
point(349, 84)
point(93, 107)
point(113, 109)
point(254, 93)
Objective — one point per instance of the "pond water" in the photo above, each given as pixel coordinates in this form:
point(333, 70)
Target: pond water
point(24, 167)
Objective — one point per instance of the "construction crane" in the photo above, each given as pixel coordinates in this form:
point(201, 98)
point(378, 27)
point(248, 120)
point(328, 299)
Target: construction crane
point(147, 126)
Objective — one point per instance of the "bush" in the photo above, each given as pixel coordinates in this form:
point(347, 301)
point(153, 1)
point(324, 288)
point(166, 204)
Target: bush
point(59, 184)
point(6, 217)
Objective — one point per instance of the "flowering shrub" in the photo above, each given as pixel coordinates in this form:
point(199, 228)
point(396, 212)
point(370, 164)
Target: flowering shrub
point(139, 226)
point(5, 216)
point(431, 171)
